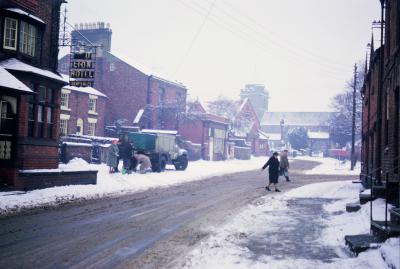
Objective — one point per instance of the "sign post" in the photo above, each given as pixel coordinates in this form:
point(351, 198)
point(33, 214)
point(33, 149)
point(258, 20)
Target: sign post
point(82, 66)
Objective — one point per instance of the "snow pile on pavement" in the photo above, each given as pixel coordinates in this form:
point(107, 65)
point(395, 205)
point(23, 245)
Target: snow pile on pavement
point(330, 166)
point(226, 247)
point(118, 184)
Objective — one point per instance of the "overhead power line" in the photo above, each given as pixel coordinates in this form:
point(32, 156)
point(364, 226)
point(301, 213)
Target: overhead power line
point(206, 17)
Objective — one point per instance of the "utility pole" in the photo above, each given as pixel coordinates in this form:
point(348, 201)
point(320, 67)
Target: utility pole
point(353, 129)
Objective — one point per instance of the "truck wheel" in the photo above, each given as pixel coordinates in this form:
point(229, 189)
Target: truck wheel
point(181, 163)
point(159, 164)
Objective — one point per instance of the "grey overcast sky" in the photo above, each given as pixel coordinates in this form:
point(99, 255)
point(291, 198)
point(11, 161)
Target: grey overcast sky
point(302, 50)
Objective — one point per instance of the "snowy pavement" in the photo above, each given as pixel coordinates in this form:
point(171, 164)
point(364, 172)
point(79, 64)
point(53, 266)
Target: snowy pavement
point(303, 228)
point(330, 166)
point(119, 184)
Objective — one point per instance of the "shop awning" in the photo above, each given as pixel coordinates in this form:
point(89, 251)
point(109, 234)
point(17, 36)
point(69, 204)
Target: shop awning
point(8, 81)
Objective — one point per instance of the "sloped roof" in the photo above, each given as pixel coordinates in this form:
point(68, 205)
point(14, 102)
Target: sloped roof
point(296, 118)
point(17, 65)
point(7, 80)
point(88, 90)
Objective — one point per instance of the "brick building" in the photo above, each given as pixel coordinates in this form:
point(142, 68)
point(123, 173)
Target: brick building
point(130, 90)
point(381, 109)
point(82, 111)
point(381, 128)
point(277, 125)
point(30, 88)
point(258, 96)
point(211, 131)
point(246, 125)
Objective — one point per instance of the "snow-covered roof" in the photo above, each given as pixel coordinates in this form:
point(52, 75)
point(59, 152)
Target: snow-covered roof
point(262, 135)
point(16, 65)
point(154, 131)
point(273, 136)
point(296, 118)
point(88, 90)
point(7, 80)
point(20, 11)
point(318, 135)
point(138, 116)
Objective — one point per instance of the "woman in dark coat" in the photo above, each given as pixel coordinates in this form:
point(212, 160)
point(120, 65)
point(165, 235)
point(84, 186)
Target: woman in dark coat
point(273, 171)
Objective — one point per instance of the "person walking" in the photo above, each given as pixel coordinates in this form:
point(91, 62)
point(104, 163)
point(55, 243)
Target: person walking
point(112, 156)
point(284, 164)
point(273, 170)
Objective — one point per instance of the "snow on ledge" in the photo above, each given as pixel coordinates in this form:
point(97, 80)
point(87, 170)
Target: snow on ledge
point(20, 11)
point(17, 65)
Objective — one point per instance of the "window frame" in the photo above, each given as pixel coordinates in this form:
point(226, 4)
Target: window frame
point(5, 33)
point(64, 102)
point(92, 104)
point(91, 128)
point(29, 36)
point(63, 127)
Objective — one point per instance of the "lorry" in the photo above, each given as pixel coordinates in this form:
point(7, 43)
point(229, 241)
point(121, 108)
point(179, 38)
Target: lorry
point(161, 147)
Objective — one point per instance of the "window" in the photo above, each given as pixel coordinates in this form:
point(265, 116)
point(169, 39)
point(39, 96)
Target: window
point(40, 113)
point(63, 127)
point(219, 141)
point(64, 100)
point(49, 122)
point(31, 117)
point(91, 128)
point(10, 34)
point(79, 127)
point(27, 42)
point(162, 95)
point(40, 121)
point(42, 94)
point(112, 67)
point(92, 104)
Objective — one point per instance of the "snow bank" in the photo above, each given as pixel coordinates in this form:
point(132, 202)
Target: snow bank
point(118, 184)
point(225, 248)
point(330, 166)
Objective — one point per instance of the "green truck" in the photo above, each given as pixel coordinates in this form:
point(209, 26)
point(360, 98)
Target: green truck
point(161, 147)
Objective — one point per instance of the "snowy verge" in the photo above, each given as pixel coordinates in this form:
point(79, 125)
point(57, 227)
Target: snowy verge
point(227, 246)
point(119, 184)
point(330, 166)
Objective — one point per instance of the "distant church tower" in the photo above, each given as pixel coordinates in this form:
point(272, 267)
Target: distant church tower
point(258, 97)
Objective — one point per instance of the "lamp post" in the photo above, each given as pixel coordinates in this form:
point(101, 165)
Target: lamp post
point(353, 129)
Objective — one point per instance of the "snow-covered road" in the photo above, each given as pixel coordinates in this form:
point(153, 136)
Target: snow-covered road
point(118, 184)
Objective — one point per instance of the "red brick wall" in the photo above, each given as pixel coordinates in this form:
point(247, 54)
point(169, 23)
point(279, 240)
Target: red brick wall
point(37, 156)
point(165, 116)
point(79, 108)
point(192, 130)
point(126, 87)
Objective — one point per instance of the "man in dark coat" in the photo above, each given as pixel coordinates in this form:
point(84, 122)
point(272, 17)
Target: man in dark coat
point(125, 152)
point(273, 171)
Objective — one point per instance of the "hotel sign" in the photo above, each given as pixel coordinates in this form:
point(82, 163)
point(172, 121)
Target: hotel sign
point(82, 67)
